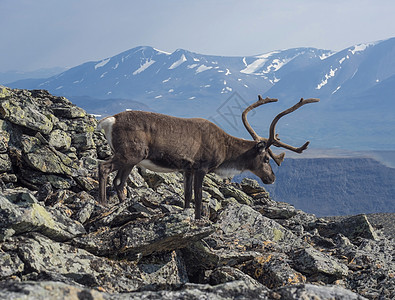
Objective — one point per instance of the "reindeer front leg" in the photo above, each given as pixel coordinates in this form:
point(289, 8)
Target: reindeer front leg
point(188, 178)
point(198, 187)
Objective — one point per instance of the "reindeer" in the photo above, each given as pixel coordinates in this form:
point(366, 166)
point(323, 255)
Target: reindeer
point(163, 143)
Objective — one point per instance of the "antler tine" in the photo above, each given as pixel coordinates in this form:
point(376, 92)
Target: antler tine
point(247, 125)
point(277, 158)
point(273, 138)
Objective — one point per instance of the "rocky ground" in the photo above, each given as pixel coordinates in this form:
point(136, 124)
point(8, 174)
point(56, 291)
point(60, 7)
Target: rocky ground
point(57, 242)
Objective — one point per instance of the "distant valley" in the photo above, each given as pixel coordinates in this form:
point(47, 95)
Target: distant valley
point(334, 186)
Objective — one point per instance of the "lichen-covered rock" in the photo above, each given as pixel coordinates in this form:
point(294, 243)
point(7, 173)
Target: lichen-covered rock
point(352, 227)
point(310, 262)
point(46, 159)
point(4, 139)
point(5, 163)
point(166, 269)
point(25, 115)
point(146, 236)
point(59, 290)
point(251, 186)
point(45, 256)
point(83, 141)
point(250, 227)
point(60, 139)
point(10, 264)
point(309, 291)
point(30, 216)
point(228, 274)
point(280, 210)
point(239, 195)
point(273, 270)
point(70, 112)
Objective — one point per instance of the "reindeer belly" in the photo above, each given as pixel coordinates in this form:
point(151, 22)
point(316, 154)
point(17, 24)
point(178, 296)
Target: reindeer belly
point(150, 165)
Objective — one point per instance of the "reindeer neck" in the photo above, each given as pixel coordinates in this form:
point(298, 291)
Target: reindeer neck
point(237, 152)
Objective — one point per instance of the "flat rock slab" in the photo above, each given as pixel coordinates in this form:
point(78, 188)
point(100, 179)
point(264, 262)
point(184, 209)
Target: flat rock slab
point(144, 237)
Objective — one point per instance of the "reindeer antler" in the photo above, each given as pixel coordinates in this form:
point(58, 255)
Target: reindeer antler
point(273, 137)
point(247, 125)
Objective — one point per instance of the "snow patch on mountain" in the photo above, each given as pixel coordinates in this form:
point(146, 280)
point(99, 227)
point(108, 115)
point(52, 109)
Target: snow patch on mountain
point(178, 62)
point(203, 68)
point(144, 66)
point(325, 80)
point(254, 66)
point(360, 48)
point(102, 63)
point(276, 65)
point(161, 51)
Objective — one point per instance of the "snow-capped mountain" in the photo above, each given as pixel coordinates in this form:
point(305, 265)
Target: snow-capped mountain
point(355, 85)
point(147, 74)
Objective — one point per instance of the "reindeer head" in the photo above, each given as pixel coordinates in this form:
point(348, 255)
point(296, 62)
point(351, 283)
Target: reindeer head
point(261, 166)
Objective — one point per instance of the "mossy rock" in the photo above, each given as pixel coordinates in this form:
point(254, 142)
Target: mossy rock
point(25, 115)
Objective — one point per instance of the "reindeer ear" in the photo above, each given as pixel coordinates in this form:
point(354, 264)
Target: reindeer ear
point(261, 146)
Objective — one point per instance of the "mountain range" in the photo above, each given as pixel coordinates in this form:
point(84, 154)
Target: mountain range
point(356, 87)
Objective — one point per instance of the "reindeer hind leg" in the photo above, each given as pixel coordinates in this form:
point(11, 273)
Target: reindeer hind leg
point(105, 168)
point(120, 180)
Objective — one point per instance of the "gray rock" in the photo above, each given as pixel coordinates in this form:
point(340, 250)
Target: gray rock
point(250, 227)
point(52, 290)
point(21, 197)
point(167, 269)
point(42, 255)
point(4, 139)
point(239, 195)
point(228, 274)
point(46, 159)
point(352, 227)
point(5, 163)
point(70, 112)
point(280, 210)
point(310, 262)
point(214, 192)
point(49, 290)
point(60, 139)
point(10, 264)
point(31, 216)
point(251, 186)
point(136, 180)
point(144, 237)
point(272, 270)
point(309, 291)
point(83, 141)
point(25, 114)
point(39, 179)
point(200, 257)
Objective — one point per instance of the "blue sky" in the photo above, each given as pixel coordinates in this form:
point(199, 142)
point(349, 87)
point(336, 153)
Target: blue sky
point(47, 33)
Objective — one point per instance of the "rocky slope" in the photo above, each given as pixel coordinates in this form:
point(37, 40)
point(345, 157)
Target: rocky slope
point(57, 242)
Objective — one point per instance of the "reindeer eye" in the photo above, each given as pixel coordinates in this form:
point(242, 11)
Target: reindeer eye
point(266, 159)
